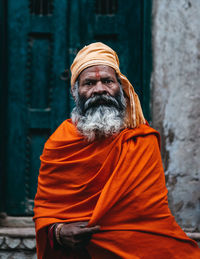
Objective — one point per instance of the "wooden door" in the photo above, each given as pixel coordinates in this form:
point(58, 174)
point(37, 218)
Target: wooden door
point(43, 37)
point(37, 95)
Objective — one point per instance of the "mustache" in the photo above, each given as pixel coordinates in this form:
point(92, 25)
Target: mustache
point(101, 100)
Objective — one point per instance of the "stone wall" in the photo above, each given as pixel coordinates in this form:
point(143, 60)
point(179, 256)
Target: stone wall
point(176, 103)
point(17, 238)
point(17, 243)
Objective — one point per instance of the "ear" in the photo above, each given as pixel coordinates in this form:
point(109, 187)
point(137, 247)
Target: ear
point(72, 93)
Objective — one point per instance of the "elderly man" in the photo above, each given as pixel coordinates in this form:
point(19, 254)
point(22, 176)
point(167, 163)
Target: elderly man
point(101, 188)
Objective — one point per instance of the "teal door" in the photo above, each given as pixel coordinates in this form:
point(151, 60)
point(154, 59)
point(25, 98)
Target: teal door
point(43, 37)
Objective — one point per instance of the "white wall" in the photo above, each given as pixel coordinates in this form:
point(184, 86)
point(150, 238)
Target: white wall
point(176, 103)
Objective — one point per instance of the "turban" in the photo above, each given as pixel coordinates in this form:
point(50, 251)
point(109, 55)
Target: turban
point(101, 54)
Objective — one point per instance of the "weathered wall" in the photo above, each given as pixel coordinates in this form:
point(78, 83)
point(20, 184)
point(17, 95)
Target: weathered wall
point(176, 103)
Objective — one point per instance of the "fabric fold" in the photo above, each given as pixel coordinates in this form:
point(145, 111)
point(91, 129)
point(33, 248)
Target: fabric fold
point(118, 184)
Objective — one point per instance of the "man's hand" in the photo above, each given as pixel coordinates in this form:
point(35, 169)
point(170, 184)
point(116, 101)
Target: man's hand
point(77, 235)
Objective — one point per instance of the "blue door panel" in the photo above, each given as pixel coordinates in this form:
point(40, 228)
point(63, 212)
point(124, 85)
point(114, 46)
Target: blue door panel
point(43, 39)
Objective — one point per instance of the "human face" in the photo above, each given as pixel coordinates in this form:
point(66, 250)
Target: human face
point(98, 80)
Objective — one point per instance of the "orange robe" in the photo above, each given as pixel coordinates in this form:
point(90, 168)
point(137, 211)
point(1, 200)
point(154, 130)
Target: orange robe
point(117, 183)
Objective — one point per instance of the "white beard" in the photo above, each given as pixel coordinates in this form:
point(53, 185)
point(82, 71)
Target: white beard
point(98, 122)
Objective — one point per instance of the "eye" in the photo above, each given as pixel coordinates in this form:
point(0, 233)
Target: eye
point(107, 81)
point(89, 83)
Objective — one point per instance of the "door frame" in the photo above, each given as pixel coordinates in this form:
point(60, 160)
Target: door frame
point(3, 98)
point(147, 57)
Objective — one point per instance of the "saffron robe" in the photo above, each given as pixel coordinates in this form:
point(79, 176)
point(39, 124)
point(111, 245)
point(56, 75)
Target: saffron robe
point(117, 183)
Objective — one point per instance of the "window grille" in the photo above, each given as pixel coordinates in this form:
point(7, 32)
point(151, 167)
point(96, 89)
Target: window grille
point(106, 7)
point(41, 7)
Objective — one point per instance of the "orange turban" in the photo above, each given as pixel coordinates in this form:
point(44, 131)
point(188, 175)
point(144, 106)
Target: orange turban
point(100, 54)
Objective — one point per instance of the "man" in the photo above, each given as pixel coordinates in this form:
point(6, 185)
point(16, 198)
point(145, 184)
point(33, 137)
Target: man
point(101, 188)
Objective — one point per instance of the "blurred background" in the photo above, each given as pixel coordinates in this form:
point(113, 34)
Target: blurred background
point(158, 44)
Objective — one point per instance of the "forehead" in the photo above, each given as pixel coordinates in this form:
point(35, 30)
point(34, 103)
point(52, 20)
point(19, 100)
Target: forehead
point(96, 71)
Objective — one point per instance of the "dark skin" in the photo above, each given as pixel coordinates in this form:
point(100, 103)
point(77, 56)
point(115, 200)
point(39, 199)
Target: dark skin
point(95, 80)
point(77, 235)
point(99, 79)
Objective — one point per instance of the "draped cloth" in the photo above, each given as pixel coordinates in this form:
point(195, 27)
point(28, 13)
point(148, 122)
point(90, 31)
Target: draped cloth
point(117, 183)
point(100, 54)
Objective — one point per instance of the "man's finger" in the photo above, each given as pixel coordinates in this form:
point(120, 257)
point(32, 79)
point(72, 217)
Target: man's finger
point(83, 224)
point(90, 230)
point(79, 224)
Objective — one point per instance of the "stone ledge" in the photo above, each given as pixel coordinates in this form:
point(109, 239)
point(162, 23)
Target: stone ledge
point(194, 235)
point(9, 221)
point(18, 232)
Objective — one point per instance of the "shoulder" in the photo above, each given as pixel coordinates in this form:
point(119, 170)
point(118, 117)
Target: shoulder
point(63, 134)
point(145, 145)
point(65, 129)
point(143, 134)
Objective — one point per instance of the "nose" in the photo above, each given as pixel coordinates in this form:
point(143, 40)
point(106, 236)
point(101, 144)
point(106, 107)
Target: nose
point(100, 88)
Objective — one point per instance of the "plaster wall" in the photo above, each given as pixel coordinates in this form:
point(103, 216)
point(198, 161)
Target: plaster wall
point(176, 103)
